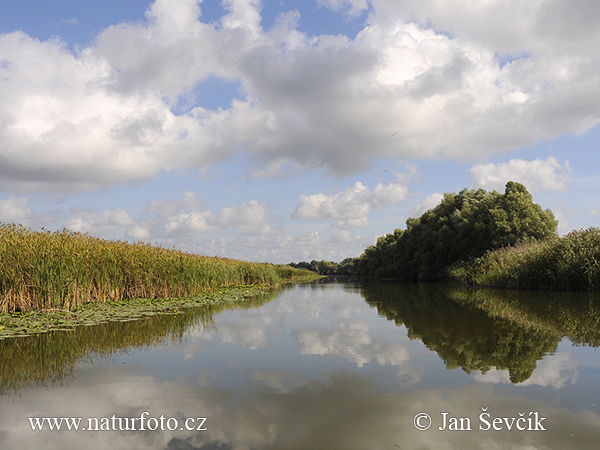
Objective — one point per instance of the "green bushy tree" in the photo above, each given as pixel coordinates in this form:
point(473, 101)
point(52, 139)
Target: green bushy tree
point(460, 227)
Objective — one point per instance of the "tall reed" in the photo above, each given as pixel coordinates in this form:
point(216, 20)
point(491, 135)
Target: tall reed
point(571, 262)
point(64, 269)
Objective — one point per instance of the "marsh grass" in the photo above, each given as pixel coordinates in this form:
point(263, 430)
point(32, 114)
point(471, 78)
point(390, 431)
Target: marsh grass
point(43, 270)
point(571, 262)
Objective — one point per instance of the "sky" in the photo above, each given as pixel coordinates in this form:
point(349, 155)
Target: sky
point(291, 130)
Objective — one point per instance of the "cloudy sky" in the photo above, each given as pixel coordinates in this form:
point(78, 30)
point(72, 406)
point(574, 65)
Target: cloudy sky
point(296, 129)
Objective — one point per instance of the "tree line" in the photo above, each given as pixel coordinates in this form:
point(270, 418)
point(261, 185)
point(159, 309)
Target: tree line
point(463, 226)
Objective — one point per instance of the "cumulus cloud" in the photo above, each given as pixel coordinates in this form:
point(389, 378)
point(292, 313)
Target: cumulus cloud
point(187, 217)
point(99, 223)
point(431, 201)
point(537, 175)
point(168, 221)
point(564, 224)
point(15, 210)
point(351, 207)
point(449, 79)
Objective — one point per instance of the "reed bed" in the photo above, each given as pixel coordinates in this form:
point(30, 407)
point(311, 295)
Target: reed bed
point(63, 270)
point(571, 262)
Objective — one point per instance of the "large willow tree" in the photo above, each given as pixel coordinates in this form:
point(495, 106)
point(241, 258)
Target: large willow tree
point(460, 227)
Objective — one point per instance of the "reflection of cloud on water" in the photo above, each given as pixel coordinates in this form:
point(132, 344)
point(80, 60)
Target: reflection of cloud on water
point(254, 329)
point(353, 342)
point(338, 412)
point(249, 329)
point(554, 370)
point(199, 333)
point(196, 338)
point(245, 334)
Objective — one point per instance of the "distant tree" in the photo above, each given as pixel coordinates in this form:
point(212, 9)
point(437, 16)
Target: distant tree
point(460, 227)
point(302, 265)
point(347, 267)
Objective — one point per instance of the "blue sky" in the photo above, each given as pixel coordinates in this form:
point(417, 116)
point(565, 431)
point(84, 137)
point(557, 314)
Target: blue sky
point(291, 130)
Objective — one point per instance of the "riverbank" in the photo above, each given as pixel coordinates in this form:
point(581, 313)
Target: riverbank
point(64, 270)
point(571, 262)
point(32, 323)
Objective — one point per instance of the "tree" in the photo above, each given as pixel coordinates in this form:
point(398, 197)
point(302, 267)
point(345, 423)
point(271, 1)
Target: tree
point(460, 227)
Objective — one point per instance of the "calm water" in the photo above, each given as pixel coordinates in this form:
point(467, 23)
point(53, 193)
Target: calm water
point(321, 366)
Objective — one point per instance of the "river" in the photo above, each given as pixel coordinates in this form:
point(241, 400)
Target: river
point(328, 365)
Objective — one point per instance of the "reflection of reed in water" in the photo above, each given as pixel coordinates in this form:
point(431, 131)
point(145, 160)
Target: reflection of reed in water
point(463, 334)
point(575, 315)
point(51, 358)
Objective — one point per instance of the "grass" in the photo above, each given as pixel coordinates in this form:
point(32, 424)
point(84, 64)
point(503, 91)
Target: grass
point(571, 262)
point(64, 270)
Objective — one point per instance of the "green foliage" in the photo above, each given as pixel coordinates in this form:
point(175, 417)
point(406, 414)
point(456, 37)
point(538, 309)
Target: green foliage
point(571, 262)
point(345, 268)
point(63, 270)
point(463, 226)
point(462, 333)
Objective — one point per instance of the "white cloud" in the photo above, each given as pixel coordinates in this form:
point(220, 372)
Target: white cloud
point(564, 224)
point(351, 207)
point(104, 223)
point(15, 210)
point(188, 218)
point(250, 217)
point(431, 201)
point(171, 222)
point(488, 82)
point(536, 175)
point(345, 237)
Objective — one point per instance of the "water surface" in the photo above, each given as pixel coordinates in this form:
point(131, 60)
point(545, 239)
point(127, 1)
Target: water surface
point(322, 366)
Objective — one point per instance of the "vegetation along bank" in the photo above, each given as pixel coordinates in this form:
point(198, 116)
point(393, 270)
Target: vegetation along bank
point(481, 238)
point(571, 262)
point(42, 270)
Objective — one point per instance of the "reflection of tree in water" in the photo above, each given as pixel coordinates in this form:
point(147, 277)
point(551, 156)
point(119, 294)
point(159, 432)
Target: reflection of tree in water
point(51, 358)
point(462, 335)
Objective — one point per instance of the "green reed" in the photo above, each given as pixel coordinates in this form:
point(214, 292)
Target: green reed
point(571, 262)
point(65, 269)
